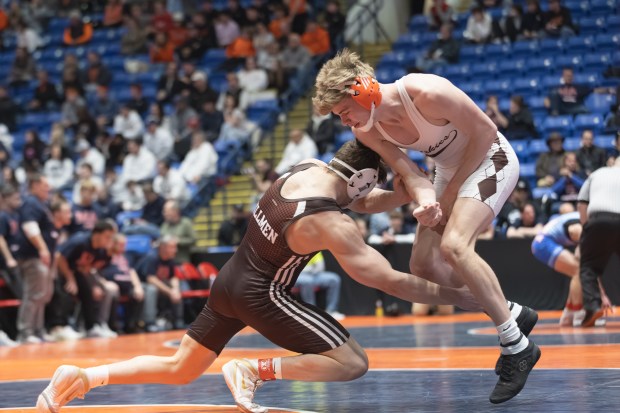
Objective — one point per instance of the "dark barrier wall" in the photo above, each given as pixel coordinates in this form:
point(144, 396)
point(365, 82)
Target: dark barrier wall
point(522, 277)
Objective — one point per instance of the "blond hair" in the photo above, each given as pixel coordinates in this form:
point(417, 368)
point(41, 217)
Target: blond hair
point(334, 76)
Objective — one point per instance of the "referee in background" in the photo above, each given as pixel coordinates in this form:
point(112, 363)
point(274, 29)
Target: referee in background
point(599, 210)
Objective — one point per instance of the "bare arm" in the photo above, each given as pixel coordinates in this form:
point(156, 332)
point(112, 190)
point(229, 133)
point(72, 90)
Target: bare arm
point(379, 200)
point(6, 253)
point(582, 207)
point(161, 286)
point(65, 270)
point(338, 233)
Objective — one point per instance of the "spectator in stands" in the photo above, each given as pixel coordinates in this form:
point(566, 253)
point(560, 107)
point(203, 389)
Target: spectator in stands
point(139, 163)
point(23, 69)
point(4, 24)
point(113, 13)
point(137, 101)
point(391, 231)
point(570, 180)
point(280, 24)
point(95, 73)
point(226, 30)
point(558, 20)
point(520, 123)
point(71, 79)
point(169, 183)
point(510, 212)
point(158, 139)
point(612, 124)
point(493, 112)
point(439, 14)
point(69, 108)
point(568, 98)
point(162, 50)
point(59, 168)
point(253, 81)
point(233, 89)
point(79, 259)
point(270, 60)
point(77, 32)
point(316, 39)
point(300, 146)
point(315, 276)
point(295, 57)
point(46, 95)
point(211, 120)
point(444, 50)
point(128, 123)
point(589, 156)
point(262, 38)
point(9, 229)
point(533, 20)
point(233, 230)
point(237, 51)
point(34, 151)
point(86, 212)
point(134, 39)
point(90, 155)
point(298, 15)
point(235, 129)
point(162, 20)
point(185, 77)
point(183, 142)
point(195, 46)
point(335, 22)
point(263, 175)
point(527, 226)
point(84, 174)
point(201, 91)
point(479, 26)
point(120, 272)
point(132, 197)
point(509, 28)
point(163, 305)
point(169, 85)
point(104, 107)
point(152, 211)
point(181, 114)
point(615, 151)
point(27, 38)
point(86, 126)
point(200, 162)
point(8, 110)
point(179, 227)
point(548, 164)
point(322, 130)
point(37, 244)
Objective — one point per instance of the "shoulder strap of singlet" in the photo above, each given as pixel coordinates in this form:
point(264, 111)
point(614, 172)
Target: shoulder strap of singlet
point(413, 112)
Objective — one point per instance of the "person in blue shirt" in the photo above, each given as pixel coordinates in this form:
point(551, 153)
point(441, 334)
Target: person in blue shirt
point(554, 246)
point(85, 212)
point(39, 230)
point(9, 272)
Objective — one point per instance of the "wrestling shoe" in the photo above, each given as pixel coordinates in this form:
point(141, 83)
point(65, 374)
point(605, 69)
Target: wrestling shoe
point(592, 317)
point(243, 381)
point(572, 318)
point(68, 383)
point(526, 320)
point(513, 373)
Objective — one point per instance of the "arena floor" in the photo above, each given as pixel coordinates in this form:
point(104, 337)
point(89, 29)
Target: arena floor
point(421, 364)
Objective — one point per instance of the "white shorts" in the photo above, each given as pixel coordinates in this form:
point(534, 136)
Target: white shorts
point(493, 181)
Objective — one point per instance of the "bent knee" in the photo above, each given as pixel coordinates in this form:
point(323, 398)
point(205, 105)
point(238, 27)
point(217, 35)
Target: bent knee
point(453, 248)
point(182, 371)
point(356, 367)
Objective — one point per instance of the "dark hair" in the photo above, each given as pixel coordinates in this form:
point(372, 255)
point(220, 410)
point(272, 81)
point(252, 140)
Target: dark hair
point(359, 156)
point(519, 101)
point(8, 190)
point(57, 202)
point(104, 225)
point(34, 178)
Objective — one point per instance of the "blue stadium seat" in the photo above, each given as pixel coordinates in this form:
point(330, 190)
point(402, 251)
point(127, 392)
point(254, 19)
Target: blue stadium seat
point(550, 82)
point(521, 148)
point(343, 137)
point(407, 41)
point(572, 144)
point(498, 51)
point(471, 53)
point(603, 7)
point(525, 48)
point(592, 121)
point(591, 79)
point(457, 71)
point(613, 23)
point(526, 85)
point(541, 191)
point(579, 44)
point(475, 87)
point(591, 25)
point(484, 69)
point(607, 42)
point(615, 58)
point(600, 103)
point(606, 142)
point(562, 124)
point(390, 75)
point(511, 67)
point(540, 65)
point(537, 146)
point(418, 22)
point(125, 217)
point(596, 61)
point(497, 87)
point(573, 60)
point(551, 45)
point(396, 58)
point(528, 170)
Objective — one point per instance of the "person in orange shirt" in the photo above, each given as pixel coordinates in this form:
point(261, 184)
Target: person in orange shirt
point(298, 15)
point(316, 39)
point(162, 51)
point(280, 25)
point(77, 32)
point(238, 50)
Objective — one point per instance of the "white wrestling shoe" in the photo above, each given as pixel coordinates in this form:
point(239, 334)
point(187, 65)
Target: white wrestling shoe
point(68, 383)
point(572, 318)
point(243, 381)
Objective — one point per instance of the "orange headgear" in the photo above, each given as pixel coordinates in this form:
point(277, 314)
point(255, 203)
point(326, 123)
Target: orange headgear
point(365, 91)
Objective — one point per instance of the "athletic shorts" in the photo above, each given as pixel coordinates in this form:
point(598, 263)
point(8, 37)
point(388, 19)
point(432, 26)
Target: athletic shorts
point(493, 181)
point(238, 300)
point(546, 250)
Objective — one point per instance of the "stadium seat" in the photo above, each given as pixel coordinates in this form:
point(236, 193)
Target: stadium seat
point(592, 121)
point(528, 170)
point(391, 75)
point(471, 54)
point(607, 42)
point(613, 23)
point(572, 144)
point(596, 61)
point(562, 124)
point(579, 44)
point(343, 137)
point(525, 48)
point(521, 148)
point(572, 60)
point(484, 69)
point(550, 45)
point(537, 146)
point(497, 87)
point(600, 103)
point(590, 25)
point(591, 79)
point(511, 68)
point(496, 51)
point(606, 142)
point(539, 192)
point(527, 85)
point(540, 65)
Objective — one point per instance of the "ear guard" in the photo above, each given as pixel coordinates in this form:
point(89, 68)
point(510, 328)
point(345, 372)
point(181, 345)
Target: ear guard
point(366, 92)
point(360, 183)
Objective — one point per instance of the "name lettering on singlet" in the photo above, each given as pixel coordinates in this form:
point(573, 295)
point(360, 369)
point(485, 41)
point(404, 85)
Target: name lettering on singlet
point(265, 227)
point(449, 138)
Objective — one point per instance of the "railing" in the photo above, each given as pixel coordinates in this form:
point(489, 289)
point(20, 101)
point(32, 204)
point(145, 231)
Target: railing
point(367, 15)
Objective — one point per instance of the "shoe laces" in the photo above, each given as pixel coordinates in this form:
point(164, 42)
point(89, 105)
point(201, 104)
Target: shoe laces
point(508, 366)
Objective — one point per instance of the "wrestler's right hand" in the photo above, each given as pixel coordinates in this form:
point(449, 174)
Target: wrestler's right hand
point(428, 215)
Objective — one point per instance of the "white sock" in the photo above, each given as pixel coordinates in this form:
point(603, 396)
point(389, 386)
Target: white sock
point(511, 339)
point(515, 308)
point(97, 376)
point(277, 367)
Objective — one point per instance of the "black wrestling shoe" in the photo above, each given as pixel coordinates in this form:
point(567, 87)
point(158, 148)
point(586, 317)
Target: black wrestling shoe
point(591, 316)
point(526, 321)
point(513, 373)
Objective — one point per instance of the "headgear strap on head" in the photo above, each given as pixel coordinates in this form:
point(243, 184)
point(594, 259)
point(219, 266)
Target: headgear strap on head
point(366, 92)
point(360, 183)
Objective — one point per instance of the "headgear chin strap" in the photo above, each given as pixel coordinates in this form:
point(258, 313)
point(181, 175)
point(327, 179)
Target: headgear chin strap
point(370, 122)
point(360, 183)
